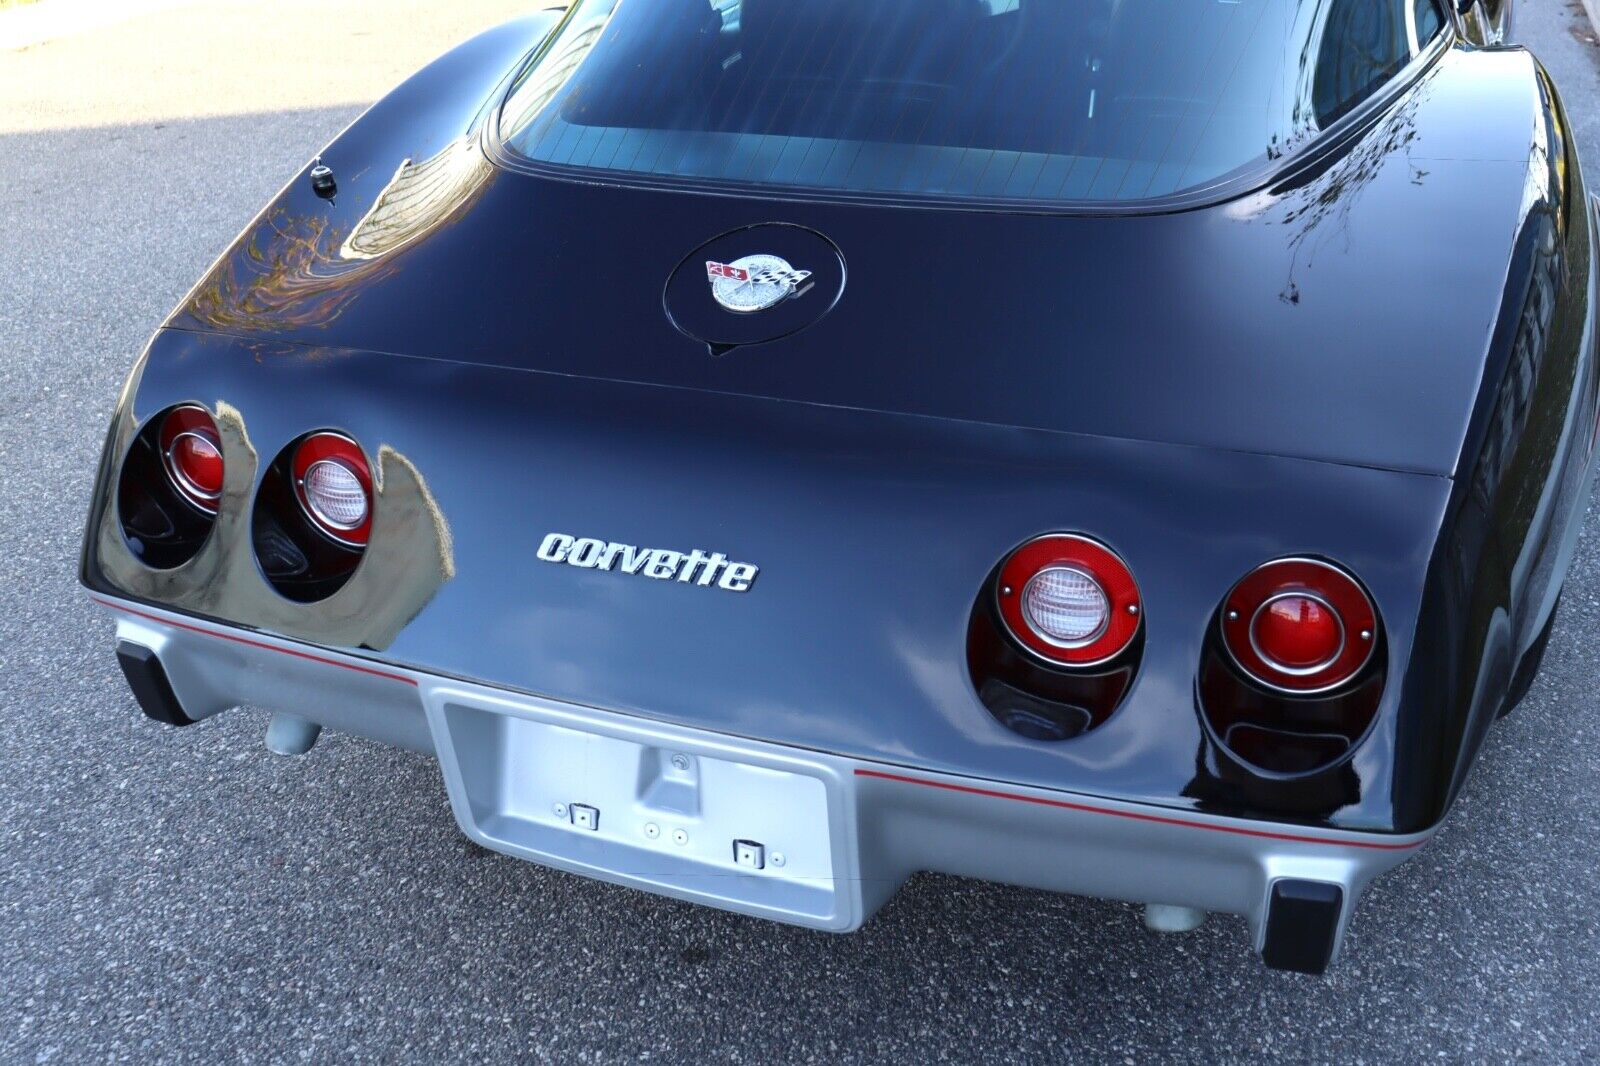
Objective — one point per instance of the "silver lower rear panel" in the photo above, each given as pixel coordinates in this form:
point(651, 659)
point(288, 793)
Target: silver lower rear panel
point(690, 813)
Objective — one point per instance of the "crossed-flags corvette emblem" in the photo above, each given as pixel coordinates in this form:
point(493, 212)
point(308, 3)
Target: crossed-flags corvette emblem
point(760, 277)
point(755, 282)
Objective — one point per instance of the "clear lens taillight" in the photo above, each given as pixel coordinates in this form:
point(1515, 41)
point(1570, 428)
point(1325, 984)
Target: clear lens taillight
point(1069, 599)
point(335, 494)
point(334, 486)
point(1065, 605)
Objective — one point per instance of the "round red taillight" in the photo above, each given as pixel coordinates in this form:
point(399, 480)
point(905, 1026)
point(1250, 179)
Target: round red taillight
point(1069, 600)
point(1299, 625)
point(333, 483)
point(1297, 631)
point(191, 451)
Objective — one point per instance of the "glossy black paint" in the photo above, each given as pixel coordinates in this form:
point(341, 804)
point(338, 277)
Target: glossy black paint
point(1106, 326)
point(1386, 359)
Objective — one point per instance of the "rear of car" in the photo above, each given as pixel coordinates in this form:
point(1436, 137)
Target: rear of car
point(765, 450)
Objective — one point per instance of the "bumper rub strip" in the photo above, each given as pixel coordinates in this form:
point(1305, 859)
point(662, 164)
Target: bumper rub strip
point(1138, 817)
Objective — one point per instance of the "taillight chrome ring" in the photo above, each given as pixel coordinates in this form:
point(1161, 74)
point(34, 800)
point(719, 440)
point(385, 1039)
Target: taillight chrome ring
point(175, 469)
point(189, 422)
point(1325, 584)
point(1082, 556)
point(1278, 664)
point(1038, 628)
point(326, 448)
point(320, 514)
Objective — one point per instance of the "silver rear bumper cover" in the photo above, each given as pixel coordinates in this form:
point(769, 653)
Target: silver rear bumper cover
point(672, 802)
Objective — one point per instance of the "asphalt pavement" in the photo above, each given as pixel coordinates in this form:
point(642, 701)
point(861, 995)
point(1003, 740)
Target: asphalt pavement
point(184, 895)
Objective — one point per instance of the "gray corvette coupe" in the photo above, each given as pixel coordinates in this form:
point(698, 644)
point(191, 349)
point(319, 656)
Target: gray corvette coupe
point(767, 448)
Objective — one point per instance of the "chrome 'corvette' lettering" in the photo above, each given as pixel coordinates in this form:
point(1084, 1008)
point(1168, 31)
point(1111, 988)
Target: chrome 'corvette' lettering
point(695, 567)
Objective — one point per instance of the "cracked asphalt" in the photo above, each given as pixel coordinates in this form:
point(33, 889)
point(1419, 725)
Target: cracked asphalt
point(176, 895)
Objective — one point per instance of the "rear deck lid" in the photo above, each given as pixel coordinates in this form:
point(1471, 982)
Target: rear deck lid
point(1324, 320)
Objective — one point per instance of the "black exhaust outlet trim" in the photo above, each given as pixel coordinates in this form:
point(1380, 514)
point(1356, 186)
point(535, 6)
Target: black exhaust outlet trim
point(1302, 925)
point(148, 680)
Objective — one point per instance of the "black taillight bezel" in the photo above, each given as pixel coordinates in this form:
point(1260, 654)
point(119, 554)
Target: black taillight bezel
point(1029, 686)
point(161, 524)
point(1271, 731)
point(294, 553)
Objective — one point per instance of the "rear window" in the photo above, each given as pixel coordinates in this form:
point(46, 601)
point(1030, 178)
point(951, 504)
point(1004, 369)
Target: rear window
point(1010, 100)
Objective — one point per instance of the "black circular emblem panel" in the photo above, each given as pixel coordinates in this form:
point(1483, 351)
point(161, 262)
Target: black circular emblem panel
point(754, 284)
